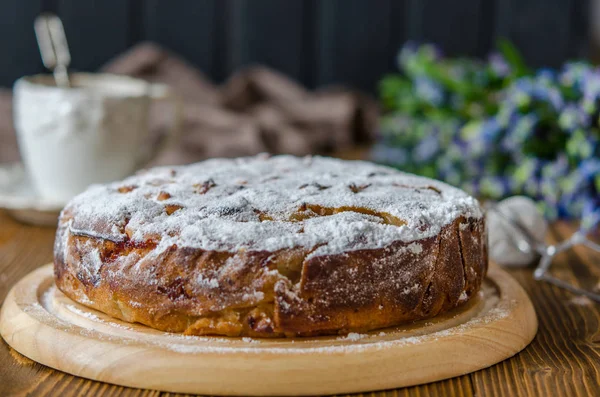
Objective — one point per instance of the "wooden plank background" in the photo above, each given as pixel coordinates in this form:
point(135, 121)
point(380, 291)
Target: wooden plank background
point(317, 42)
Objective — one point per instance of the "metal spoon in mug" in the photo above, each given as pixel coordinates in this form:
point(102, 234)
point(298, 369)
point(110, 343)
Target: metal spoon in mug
point(50, 35)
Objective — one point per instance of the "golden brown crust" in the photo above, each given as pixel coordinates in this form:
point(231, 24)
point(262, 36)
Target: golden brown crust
point(271, 246)
point(293, 294)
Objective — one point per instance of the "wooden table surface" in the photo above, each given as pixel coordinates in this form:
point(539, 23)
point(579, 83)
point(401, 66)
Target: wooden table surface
point(563, 359)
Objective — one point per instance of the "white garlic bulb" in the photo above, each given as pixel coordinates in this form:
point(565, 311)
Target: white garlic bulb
point(507, 246)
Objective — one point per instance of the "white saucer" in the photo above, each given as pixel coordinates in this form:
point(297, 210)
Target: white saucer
point(19, 199)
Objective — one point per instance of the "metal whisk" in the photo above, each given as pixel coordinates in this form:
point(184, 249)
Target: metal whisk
point(526, 242)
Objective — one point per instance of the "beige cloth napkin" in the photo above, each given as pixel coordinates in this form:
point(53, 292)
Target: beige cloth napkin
point(256, 110)
point(8, 141)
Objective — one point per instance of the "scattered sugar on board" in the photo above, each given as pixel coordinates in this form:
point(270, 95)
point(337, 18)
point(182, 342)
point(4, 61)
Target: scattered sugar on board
point(581, 300)
point(46, 301)
point(353, 336)
point(93, 317)
point(88, 315)
point(358, 342)
point(47, 296)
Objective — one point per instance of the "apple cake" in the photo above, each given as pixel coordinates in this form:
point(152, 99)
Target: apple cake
point(271, 246)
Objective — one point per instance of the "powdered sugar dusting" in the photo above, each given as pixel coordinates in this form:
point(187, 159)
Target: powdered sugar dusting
point(46, 297)
point(266, 203)
point(351, 343)
point(415, 248)
point(354, 342)
point(93, 317)
point(208, 282)
point(353, 336)
point(581, 300)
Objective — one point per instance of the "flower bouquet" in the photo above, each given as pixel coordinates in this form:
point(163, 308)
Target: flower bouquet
point(497, 129)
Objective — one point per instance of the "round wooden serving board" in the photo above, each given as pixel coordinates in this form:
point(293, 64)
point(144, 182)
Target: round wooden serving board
point(40, 322)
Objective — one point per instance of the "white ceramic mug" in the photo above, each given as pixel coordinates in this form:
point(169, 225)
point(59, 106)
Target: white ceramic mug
point(95, 131)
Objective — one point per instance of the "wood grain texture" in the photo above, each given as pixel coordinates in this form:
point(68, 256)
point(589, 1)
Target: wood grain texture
point(39, 321)
point(271, 33)
point(529, 23)
point(357, 42)
point(454, 26)
point(564, 358)
point(20, 52)
point(96, 31)
point(186, 28)
point(316, 41)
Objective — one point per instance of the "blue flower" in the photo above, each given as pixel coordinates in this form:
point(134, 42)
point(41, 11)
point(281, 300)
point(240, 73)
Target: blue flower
point(546, 76)
point(591, 91)
point(573, 73)
point(590, 213)
point(590, 168)
point(429, 91)
point(426, 149)
point(477, 126)
point(581, 144)
point(412, 57)
point(527, 172)
point(519, 131)
point(526, 90)
point(495, 187)
point(573, 117)
point(408, 51)
point(471, 187)
point(499, 65)
point(390, 155)
point(491, 130)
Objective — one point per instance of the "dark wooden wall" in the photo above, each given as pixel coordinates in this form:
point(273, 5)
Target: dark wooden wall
point(316, 42)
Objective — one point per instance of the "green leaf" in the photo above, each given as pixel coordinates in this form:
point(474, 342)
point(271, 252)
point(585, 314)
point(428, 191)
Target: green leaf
point(389, 87)
point(513, 57)
point(440, 74)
